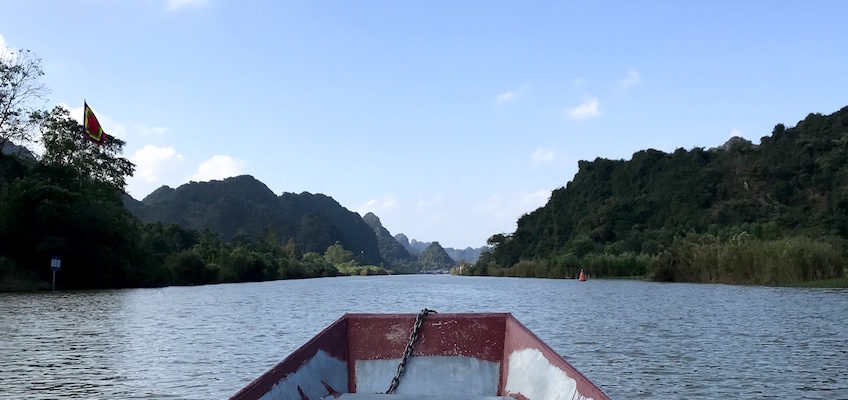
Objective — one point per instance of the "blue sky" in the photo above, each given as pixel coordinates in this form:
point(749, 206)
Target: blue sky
point(447, 119)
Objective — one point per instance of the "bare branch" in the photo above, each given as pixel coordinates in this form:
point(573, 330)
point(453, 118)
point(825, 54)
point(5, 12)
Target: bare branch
point(21, 88)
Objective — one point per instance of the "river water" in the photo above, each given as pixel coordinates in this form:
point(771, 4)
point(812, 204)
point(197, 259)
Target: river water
point(633, 339)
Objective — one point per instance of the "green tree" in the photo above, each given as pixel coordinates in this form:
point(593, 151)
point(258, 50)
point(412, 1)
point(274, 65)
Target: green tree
point(66, 146)
point(187, 268)
point(292, 250)
point(66, 207)
point(336, 254)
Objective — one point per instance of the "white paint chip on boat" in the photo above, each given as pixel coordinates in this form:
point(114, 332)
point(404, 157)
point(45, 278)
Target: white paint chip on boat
point(532, 375)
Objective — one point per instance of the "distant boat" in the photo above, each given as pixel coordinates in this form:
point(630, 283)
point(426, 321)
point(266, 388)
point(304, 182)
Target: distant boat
point(455, 356)
point(582, 277)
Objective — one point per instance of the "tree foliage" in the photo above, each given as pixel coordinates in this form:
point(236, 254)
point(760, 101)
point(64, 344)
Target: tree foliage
point(792, 185)
point(244, 204)
point(65, 146)
point(435, 258)
point(61, 206)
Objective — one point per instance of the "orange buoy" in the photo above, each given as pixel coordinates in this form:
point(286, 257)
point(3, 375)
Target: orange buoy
point(582, 277)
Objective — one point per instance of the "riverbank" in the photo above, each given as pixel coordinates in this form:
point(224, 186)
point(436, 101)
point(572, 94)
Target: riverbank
point(836, 283)
point(822, 283)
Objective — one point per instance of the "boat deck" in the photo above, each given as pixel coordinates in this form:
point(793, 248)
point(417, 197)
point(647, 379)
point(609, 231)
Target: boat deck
point(380, 396)
point(457, 356)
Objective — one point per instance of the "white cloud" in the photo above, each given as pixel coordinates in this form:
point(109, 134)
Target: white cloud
point(177, 4)
point(154, 166)
point(3, 47)
point(110, 126)
point(76, 113)
point(511, 207)
point(736, 132)
point(535, 199)
point(149, 131)
point(218, 167)
point(378, 207)
point(541, 156)
point(495, 206)
point(432, 202)
point(152, 161)
point(511, 95)
point(6, 52)
point(588, 109)
point(632, 78)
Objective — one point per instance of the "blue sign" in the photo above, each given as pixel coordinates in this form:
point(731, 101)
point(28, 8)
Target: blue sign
point(55, 263)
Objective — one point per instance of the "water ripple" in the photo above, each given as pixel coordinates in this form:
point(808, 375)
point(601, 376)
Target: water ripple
point(634, 339)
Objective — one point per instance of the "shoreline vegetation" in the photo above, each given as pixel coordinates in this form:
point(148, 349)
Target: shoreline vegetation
point(773, 214)
point(738, 259)
point(835, 283)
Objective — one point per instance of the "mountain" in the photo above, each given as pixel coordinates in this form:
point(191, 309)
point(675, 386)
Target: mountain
point(434, 257)
point(393, 253)
point(468, 254)
point(132, 205)
point(415, 248)
point(402, 240)
point(794, 183)
point(20, 151)
point(243, 204)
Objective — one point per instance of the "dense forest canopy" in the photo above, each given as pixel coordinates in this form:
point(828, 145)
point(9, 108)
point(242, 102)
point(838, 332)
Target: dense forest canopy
point(243, 204)
point(434, 257)
point(657, 212)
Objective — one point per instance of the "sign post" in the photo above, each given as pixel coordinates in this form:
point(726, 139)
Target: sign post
point(55, 265)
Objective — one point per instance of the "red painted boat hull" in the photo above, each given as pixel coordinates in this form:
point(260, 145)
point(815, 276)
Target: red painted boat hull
point(456, 356)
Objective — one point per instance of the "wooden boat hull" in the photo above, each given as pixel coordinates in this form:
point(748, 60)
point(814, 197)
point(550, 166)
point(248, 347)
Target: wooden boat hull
point(469, 356)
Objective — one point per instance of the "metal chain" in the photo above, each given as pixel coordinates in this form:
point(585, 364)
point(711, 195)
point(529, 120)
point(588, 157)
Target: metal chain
point(408, 351)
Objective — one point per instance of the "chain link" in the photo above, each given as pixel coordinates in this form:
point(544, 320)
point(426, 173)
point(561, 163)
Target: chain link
point(408, 351)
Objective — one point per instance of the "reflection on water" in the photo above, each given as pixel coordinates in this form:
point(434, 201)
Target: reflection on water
point(633, 339)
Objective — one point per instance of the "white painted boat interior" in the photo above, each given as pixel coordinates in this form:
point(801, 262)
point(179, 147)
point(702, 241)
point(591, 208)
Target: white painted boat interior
point(431, 375)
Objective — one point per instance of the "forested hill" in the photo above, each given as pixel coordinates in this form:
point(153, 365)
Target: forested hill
point(393, 253)
point(793, 183)
point(414, 247)
point(244, 204)
point(434, 258)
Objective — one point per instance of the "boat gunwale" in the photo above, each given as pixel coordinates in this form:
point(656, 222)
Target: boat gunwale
point(323, 340)
point(290, 364)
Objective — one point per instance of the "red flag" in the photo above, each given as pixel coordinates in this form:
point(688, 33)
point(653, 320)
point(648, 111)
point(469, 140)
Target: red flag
point(92, 126)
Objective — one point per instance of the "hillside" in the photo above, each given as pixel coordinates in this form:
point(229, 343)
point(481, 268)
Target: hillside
point(468, 254)
point(393, 253)
point(415, 248)
point(10, 148)
point(244, 204)
point(434, 258)
point(793, 183)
